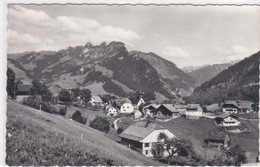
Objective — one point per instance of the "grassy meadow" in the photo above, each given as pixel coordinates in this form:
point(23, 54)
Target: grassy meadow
point(39, 138)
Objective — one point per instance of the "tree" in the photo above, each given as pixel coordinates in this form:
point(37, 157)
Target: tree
point(64, 95)
point(75, 93)
point(85, 95)
point(157, 150)
point(174, 148)
point(41, 89)
point(10, 82)
point(76, 116)
point(100, 123)
point(235, 156)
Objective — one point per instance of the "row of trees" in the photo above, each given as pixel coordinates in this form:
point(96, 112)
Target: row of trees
point(74, 95)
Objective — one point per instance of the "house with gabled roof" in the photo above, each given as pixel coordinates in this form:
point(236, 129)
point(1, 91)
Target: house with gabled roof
point(165, 111)
point(127, 108)
point(227, 120)
point(245, 106)
point(193, 111)
point(22, 92)
point(150, 108)
point(95, 100)
point(217, 138)
point(142, 135)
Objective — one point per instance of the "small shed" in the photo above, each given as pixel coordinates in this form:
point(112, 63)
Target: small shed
point(218, 139)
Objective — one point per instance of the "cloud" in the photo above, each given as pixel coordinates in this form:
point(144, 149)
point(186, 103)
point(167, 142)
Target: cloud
point(15, 37)
point(235, 52)
point(32, 26)
point(176, 52)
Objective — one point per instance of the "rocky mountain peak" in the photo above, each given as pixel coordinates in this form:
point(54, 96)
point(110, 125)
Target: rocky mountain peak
point(88, 45)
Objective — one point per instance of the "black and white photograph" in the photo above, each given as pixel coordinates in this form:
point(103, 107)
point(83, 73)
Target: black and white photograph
point(131, 84)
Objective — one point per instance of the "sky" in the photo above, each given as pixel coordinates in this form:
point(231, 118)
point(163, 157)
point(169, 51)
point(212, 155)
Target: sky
point(186, 35)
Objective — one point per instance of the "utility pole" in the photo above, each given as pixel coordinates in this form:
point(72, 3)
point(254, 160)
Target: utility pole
point(15, 82)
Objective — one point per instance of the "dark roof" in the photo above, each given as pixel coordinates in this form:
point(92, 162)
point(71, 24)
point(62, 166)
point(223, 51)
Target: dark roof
point(138, 131)
point(217, 135)
point(225, 115)
point(243, 104)
point(230, 105)
point(152, 106)
point(23, 88)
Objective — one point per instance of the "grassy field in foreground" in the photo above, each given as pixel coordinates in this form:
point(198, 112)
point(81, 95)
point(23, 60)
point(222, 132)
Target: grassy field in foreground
point(38, 138)
point(196, 131)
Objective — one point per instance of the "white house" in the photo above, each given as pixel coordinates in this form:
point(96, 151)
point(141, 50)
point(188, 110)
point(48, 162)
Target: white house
point(142, 136)
point(194, 111)
point(227, 120)
point(96, 100)
point(127, 108)
point(111, 111)
point(22, 92)
point(137, 114)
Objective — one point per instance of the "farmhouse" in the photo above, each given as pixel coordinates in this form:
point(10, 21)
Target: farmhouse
point(245, 106)
point(22, 92)
point(227, 120)
point(193, 111)
point(137, 114)
point(127, 108)
point(165, 111)
point(180, 108)
point(149, 109)
point(111, 111)
point(141, 136)
point(217, 139)
point(96, 100)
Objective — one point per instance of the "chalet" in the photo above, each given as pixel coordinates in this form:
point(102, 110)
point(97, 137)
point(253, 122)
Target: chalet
point(193, 111)
point(137, 114)
point(149, 109)
point(127, 108)
point(180, 108)
point(96, 100)
point(22, 92)
point(217, 139)
point(230, 108)
point(227, 120)
point(165, 111)
point(141, 136)
point(111, 111)
point(245, 106)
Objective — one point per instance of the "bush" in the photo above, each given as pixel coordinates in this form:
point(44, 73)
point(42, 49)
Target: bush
point(100, 123)
point(76, 116)
point(63, 110)
point(120, 130)
point(33, 102)
point(47, 107)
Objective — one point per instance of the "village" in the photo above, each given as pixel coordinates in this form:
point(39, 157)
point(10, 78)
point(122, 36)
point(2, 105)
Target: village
point(138, 123)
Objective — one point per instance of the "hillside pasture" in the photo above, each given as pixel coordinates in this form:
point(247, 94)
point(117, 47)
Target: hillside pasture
point(196, 131)
point(38, 138)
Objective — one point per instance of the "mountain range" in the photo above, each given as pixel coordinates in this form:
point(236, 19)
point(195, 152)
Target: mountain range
point(104, 69)
point(206, 72)
point(238, 82)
